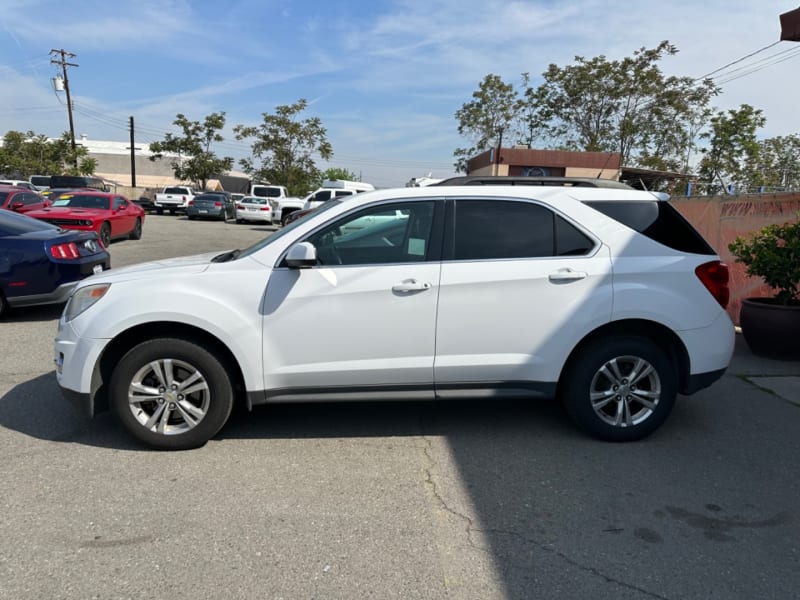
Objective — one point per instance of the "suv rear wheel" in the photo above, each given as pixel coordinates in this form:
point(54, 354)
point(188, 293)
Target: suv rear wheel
point(620, 388)
point(171, 394)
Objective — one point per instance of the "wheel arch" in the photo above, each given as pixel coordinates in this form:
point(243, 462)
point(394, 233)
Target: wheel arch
point(129, 338)
point(662, 335)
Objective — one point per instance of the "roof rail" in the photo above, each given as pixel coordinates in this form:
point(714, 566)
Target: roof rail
point(544, 181)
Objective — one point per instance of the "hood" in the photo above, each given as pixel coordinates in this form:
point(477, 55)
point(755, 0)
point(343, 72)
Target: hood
point(171, 267)
point(59, 212)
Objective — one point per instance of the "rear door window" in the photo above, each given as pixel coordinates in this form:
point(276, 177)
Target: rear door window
point(498, 229)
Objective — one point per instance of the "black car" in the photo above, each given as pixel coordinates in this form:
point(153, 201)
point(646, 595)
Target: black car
point(212, 205)
point(145, 203)
point(41, 263)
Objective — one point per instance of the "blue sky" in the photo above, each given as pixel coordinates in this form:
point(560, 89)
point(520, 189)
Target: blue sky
point(386, 77)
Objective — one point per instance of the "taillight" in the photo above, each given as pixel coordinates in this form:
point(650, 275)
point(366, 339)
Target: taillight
point(265, 208)
point(67, 251)
point(217, 204)
point(239, 207)
point(191, 202)
point(714, 275)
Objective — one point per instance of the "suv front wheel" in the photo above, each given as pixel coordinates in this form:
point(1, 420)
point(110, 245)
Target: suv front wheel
point(171, 394)
point(620, 388)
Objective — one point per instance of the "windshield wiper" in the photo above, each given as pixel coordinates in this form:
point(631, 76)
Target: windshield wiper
point(226, 256)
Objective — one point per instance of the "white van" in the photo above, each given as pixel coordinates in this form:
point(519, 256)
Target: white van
point(335, 188)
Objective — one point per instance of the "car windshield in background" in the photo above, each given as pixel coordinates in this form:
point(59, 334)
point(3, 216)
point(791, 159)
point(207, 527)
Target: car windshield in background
point(267, 192)
point(284, 230)
point(174, 190)
point(253, 200)
point(81, 201)
point(3, 196)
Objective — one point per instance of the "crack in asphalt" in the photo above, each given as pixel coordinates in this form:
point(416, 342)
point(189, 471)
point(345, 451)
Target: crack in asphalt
point(470, 529)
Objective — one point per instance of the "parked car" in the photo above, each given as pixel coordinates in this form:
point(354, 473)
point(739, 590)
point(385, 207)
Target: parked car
point(145, 203)
point(109, 215)
point(604, 297)
point(42, 182)
point(19, 183)
point(296, 215)
point(41, 263)
point(253, 208)
point(21, 199)
point(212, 205)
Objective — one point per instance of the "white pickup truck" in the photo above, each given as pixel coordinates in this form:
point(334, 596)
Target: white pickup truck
point(173, 198)
point(281, 203)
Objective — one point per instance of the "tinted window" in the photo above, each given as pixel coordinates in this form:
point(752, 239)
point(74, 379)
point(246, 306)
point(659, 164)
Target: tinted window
point(267, 192)
point(570, 241)
point(40, 180)
point(175, 190)
point(322, 196)
point(393, 233)
point(82, 201)
point(502, 229)
point(657, 220)
point(14, 224)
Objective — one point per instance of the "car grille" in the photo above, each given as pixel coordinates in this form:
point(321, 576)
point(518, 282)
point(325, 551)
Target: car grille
point(64, 221)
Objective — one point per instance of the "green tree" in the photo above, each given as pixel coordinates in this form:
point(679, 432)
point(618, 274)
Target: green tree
point(190, 155)
point(493, 111)
point(284, 146)
point(732, 154)
point(778, 165)
point(26, 154)
point(626, 106)
point(338, 173)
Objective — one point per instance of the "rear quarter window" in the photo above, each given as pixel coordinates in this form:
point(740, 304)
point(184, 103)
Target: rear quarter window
point(657, 220)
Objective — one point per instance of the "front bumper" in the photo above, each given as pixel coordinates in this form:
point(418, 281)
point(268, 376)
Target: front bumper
point(77, 368)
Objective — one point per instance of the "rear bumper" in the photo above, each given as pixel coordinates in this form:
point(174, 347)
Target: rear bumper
point(700, 381)
point(57, 296)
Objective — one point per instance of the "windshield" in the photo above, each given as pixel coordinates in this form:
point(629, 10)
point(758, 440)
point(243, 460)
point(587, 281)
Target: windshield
point(267, 192)
point(279, 234)
point(80, 201)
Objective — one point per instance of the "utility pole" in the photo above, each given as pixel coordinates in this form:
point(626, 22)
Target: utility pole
point(133, 157)
point(64, 64)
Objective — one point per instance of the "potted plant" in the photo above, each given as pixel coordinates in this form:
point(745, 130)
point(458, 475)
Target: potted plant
point(771, 325)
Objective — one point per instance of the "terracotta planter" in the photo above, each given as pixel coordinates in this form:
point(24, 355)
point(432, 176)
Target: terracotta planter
point(771, 329)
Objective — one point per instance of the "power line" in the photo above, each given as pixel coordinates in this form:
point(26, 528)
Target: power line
point(738, 60)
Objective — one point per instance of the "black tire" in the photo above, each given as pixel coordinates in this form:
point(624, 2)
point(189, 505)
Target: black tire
point(136, 233)
point(633, 382)
point(159, 211)
point(172, 211)
point(285, 220)
point(3, 305)
point(105, 234)
point(191, 217)
point(239, 221)
point(165, 419)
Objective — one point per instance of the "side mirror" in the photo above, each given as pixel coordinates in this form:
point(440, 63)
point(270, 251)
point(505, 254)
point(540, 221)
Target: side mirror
point(301, 256)
point(16, 205)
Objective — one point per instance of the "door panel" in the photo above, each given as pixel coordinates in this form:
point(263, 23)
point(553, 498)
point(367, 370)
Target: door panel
point(346, 326)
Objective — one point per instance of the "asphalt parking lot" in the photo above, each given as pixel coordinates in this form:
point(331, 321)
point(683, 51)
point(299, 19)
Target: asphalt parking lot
point(457, 500)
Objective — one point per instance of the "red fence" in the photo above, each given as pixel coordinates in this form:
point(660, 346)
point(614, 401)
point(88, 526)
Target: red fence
point(720, 219)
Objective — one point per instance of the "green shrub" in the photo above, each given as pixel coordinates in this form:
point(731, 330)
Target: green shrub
point(773, 253)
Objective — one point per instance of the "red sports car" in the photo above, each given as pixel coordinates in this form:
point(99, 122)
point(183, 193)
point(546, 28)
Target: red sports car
point(110, 215)
point(20, 199)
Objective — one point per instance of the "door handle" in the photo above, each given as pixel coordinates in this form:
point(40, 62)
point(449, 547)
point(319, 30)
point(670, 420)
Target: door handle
point(411, 285)
point(567, 275)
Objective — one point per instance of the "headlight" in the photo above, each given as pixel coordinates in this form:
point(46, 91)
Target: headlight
point(83, 299)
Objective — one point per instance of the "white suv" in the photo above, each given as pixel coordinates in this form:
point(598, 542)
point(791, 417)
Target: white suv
point(601, 296)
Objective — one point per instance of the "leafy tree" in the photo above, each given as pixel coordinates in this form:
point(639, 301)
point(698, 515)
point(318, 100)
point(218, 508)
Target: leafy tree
point(284, 146)
point(778, 163)
point(626, 106)
point(733, 151)
point(26, 154)
point(191, 157)
point(338, 173)
point(493, 110)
